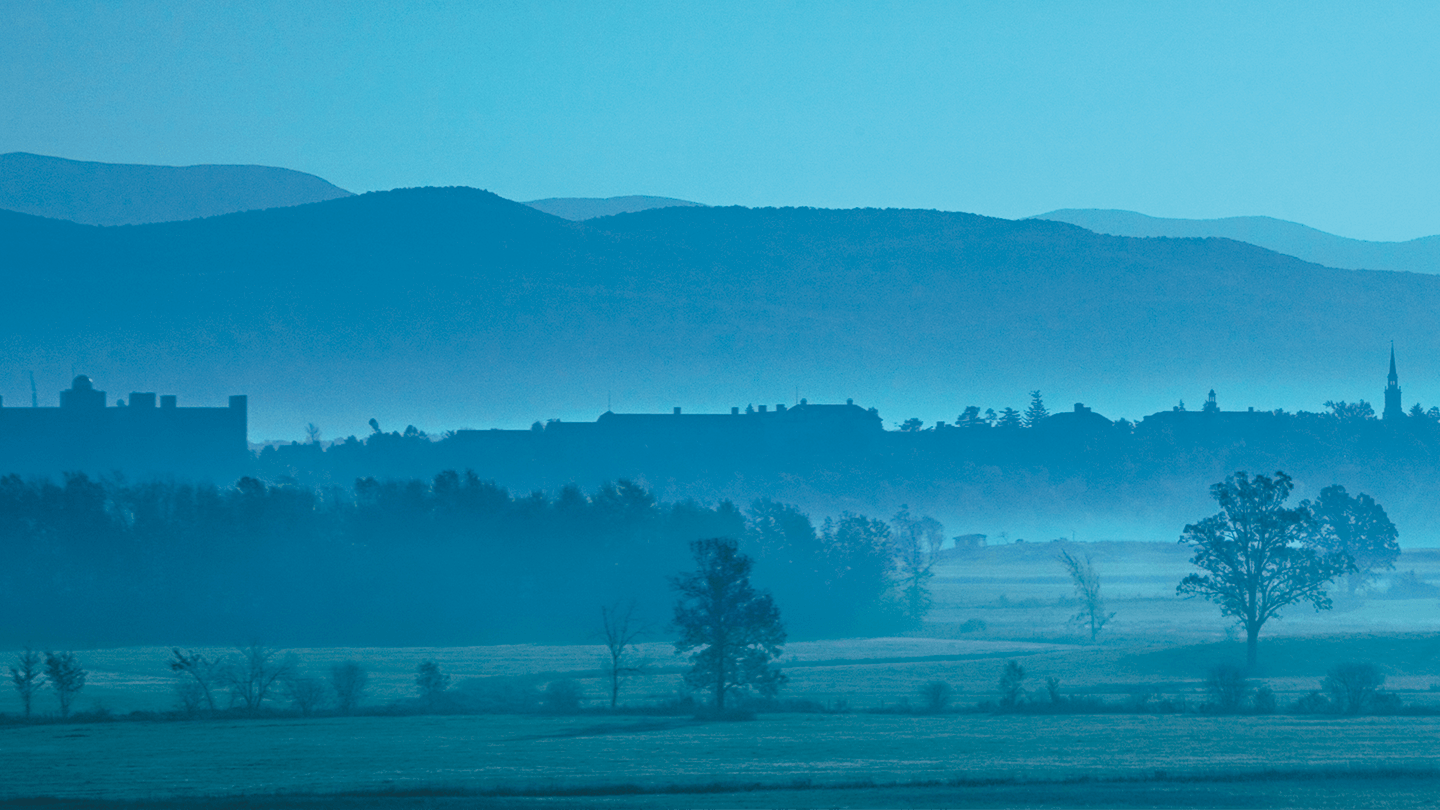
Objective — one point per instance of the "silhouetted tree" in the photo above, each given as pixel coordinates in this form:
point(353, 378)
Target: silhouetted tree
point(66, 677)
point(1227, 687)
point(1351, 685)
point(621, 629)
point(731, 631)
point(1351, 411)
point(27, 677)
point(348, 681)
point(936, 695)
point(432, 683)
point(971, 418)
point(1010, 418)
point(1255, 555)
point(912, 425)
point(306, 694)
point(1357, 527)
point(253, 675)
point(917, 543)
point(1036, 411)
point(862, 565)
point(201, 671)
point(1087, 589)
point(1012, 685)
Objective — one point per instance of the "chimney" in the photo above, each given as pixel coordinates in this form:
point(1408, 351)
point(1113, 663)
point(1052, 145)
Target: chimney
point(677, 410)
point(780, 408)
point(141, 400)
point(167, 401)
point(762, 408)
point(849, 402)
point(734, 411)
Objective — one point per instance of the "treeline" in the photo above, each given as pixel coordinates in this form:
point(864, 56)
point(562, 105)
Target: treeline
point(453, 560)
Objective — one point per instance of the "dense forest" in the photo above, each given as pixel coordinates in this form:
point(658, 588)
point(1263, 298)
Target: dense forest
point(454, 560)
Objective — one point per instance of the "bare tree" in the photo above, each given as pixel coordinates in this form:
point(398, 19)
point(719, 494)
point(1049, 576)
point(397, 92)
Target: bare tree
point(304, 693)
point(312, 433)
point(254, 675)
point(1087, 590)
point(1351, 685)
point(1255, 555)
point(348, 680)
point(27, 677)
point(621, 630)
point(65, 677)
point(200, 671)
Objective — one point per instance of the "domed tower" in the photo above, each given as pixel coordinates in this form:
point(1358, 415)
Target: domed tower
point(1392, 390)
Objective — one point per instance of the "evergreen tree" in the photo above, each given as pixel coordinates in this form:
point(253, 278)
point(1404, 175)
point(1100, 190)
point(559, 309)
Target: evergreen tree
point(1036, 411)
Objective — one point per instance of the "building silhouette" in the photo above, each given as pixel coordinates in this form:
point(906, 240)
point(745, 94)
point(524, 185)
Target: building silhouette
point(141, 437)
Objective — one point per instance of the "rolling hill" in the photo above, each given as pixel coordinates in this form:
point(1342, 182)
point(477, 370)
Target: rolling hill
point(124, 194)
point(1291, 238)
point(453, 307)
point(581, 208)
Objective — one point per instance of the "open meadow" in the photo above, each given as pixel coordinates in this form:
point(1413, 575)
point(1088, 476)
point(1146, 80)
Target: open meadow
point(859, 741)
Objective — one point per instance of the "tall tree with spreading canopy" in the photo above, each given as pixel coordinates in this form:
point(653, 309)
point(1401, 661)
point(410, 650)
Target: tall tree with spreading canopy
point(1257, 556)
point(731, 631)
point(1357, 526)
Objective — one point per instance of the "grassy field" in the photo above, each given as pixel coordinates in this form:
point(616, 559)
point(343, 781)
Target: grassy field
point(1157, 644)
point(548, 754)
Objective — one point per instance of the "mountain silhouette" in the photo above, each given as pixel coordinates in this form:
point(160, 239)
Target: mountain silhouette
point(1291, 238)
point(581, 208)
point(453, 307)
point(126, 194)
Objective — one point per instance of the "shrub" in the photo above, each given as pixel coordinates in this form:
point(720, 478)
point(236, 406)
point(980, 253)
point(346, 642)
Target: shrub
point(1313, 703)
point(935, 696)
point(563, 695)
point(1264, 699)
point(1352, 685)
point(1227, 688)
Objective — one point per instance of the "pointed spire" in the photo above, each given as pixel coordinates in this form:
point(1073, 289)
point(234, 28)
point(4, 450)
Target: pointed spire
point(1393, 378)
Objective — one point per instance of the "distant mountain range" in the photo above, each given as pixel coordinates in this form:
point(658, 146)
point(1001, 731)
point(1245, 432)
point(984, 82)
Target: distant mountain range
point(125, 194)
point(453, 307)
point(1417, 255)
point(582, 208)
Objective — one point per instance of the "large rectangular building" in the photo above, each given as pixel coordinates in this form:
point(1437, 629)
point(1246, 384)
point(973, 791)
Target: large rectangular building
point(142, 437)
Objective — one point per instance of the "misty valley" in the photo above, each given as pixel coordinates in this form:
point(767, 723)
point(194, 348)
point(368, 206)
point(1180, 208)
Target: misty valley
point(807, 603)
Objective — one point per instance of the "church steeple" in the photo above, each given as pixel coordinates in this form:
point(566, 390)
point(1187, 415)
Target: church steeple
point(1392, 390)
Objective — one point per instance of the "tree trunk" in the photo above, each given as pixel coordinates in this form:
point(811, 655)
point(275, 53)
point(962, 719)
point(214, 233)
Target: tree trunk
point(1252, 646)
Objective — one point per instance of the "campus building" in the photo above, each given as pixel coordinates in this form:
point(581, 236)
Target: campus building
point(144, 436)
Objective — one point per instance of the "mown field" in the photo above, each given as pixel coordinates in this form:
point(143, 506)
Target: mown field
point(1157, 647)
point(556, 754)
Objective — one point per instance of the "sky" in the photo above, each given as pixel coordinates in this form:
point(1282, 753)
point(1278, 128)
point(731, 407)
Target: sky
point(1322, 113)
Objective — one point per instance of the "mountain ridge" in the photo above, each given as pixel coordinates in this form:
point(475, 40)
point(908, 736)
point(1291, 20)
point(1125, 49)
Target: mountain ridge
point(110, 194)
point(1420, 255)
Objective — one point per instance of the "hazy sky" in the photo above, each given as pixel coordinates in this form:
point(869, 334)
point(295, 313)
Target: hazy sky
point(1326, 114)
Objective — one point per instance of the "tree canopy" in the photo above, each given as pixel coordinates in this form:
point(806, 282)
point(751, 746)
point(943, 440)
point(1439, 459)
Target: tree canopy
point(1257, 554)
